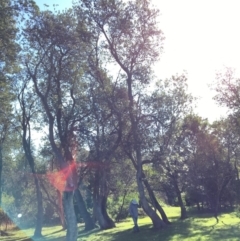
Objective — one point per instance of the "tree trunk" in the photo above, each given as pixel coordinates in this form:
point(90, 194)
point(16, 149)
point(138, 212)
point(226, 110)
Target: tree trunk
point(180, 201)
point(39, 221)
point(60, 209)
point(70, 216)
point(31, 162)
point(121, 208)
point(156, 220)
point(104, 221)
point(100, 194)
point(1, 166)
point(156, 203)
point(89, 224)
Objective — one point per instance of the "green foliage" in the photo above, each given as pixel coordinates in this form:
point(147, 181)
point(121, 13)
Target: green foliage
point(118, 206)
point(8, 203)
point(67, 56)
point(197, 227)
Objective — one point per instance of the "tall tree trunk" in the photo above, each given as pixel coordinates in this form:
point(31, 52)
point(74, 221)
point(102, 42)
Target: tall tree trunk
point(39, 216)
point(104, 221)
point(156, 220)
point(58, 205)
point(100, 201)
point(179, 197)
point(39, 221)
point(89, 223)
point(31, 162)
point(121, 208)
point(60, 208)
point(70, 216)
point(156, 203)
point(1, 166)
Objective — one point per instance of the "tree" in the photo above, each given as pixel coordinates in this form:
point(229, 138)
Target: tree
point(5, 124)
point(54, 63)
point(28, 110)
point(131, 37)
point(103, 139)
point(10, 12)
point(211, 168)
point(8, 53)
point(227, 87)
point(166, 108)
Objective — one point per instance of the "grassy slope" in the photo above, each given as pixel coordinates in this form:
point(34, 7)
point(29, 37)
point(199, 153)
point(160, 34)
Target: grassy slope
point(197, 228)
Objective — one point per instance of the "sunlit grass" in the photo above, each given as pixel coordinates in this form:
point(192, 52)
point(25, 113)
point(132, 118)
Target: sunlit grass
point(49, 233)
point(198, 227)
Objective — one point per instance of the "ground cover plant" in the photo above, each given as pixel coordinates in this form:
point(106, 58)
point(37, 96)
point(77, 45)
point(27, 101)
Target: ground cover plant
point(198, 227)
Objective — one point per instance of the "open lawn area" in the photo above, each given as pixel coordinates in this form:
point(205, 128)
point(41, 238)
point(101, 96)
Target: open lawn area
point(196, 228)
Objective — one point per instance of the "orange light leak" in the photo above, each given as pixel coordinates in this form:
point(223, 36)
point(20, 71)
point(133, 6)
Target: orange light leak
point(58, 179)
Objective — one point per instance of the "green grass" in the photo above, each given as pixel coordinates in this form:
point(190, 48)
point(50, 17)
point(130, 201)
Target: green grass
point(198, 227)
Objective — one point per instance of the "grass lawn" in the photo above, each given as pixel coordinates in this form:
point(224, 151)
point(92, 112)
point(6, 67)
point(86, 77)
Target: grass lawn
point(195, 228)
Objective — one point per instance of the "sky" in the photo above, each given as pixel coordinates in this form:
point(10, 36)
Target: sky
point(202, 37)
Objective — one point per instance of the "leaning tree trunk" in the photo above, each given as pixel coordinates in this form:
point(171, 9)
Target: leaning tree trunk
point(57, 205)
point(180, 201)
point(156, 220)
point(39, 222)
point(104, 221)
point(156, 203)
point(89, 223)
point(100, 201)
point(31, 162)
point(70, 216)
point(60, 210)
point(1, 165)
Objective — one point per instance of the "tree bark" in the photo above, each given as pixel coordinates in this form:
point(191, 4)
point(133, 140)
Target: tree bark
point(1, 166)
point(156, 220)
point(156, 203)
point(180, 201)
point(31, 162)
point(61, 211)
point(70, 216)
point(39, 221)
point(100, 194)
point(89, 223)
point(104, 221)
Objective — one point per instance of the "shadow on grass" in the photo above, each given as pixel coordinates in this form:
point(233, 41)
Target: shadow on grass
point(57, 231)
point(178, 230)
point(84, 233)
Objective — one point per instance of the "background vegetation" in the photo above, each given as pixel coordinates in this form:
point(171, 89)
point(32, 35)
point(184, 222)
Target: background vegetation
point(80, 135)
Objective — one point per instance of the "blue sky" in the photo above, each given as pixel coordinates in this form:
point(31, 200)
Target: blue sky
point(61, 3)
point(202, 37)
